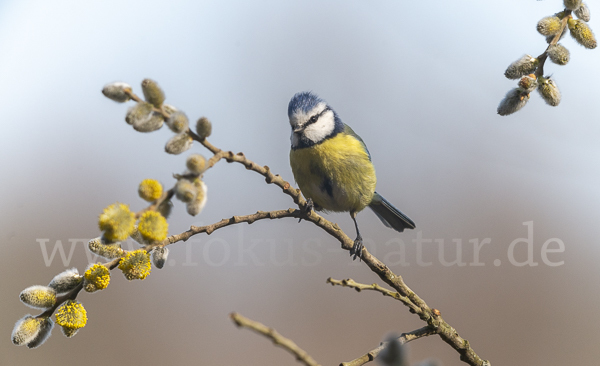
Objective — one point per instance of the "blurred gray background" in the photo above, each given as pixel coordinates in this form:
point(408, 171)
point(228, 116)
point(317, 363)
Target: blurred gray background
point(419, 81)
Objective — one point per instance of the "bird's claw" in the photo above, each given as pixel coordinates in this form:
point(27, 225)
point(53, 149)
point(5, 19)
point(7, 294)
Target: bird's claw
point(308, 208)
point(357, 248)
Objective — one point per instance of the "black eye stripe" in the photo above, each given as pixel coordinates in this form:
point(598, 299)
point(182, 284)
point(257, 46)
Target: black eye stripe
point(316, 117)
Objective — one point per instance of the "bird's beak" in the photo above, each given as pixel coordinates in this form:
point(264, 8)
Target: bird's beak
point(298, 129)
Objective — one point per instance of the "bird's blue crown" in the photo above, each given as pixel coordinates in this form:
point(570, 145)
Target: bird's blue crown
point(304, 101)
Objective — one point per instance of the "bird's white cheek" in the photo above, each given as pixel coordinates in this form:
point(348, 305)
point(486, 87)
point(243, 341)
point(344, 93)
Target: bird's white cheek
point(318, 131)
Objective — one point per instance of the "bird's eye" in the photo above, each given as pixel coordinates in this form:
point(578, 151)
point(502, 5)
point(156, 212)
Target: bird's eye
point(312, 119)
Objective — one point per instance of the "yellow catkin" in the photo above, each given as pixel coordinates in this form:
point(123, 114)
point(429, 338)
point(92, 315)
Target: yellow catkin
point(153, 226)
point(97, 277)
point(135, 265)
point(71, 315)
point(117, 222)
point(150, 190)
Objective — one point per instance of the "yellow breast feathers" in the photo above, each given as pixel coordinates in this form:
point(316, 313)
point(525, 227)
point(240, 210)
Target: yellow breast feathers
point(336, 173)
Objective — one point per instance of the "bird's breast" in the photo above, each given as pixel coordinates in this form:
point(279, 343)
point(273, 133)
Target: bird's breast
point(336, 173)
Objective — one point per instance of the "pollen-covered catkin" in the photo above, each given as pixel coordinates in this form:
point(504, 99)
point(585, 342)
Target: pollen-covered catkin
point(514, 100)
point(150, 190)
point(117, 92)
point(97, 277)
point(558, 54)
point(549, 26)
point(153, 227)
point(39, 297)
point(583, 12)
point(179, 143)
point(71, 315)
point(66, 281)
point(135, 265)
point(523, 66)
point(549, 91)
point(117, 222)
point(582, 33)
point(153, 93)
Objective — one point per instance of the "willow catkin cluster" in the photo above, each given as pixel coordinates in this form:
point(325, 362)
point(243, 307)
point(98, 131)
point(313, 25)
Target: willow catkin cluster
point(34, 331)
point(117, 223)
point(529, 70)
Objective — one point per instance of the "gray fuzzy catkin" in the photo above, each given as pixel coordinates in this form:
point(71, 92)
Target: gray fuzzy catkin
point(152, 122)
point(159, 256)
point(116, 92)
point(559, 54)
point(66, 281)
point(583, 12)
point(179, 143)
point(46, 326)
point(549, 25)
point(549, 91)
point(514, 100)
point(153, 93)
point(523, 66)
point(572, 4)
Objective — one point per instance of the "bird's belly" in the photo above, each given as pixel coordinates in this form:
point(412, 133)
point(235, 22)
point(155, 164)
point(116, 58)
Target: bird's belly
point(336, 174)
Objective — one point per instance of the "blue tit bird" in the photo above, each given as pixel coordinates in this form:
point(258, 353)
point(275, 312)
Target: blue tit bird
point(333, 167)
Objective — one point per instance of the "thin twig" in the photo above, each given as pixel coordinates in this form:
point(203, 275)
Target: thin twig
point(273, 335)
point(374, 287)
point(403, 339)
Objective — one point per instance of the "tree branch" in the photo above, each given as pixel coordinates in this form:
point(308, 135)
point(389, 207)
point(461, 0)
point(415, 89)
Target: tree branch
point(431, 316)
point(416, 305)
point(274, 336)
point(403, 339)
point(265, 171)
point(374, 287)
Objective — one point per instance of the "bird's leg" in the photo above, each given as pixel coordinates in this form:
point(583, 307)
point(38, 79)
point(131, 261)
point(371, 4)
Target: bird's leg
point(308, 208)
point(358, 242)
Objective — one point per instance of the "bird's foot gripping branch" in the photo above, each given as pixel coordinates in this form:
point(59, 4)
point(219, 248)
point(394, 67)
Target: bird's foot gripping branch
point(149, 228)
